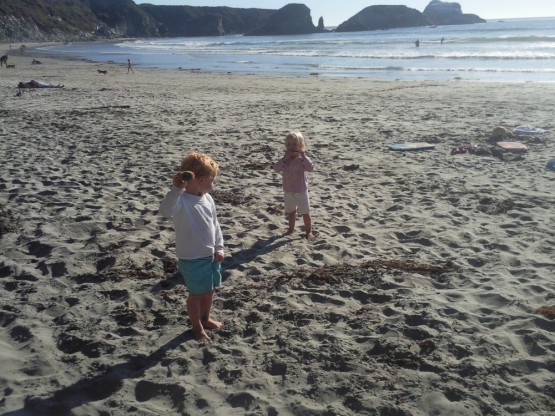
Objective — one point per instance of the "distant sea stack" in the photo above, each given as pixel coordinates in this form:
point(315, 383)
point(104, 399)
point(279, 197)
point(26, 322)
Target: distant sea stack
point(389, 17)
point(383, 17)
point(292, 19)
point(444, 13)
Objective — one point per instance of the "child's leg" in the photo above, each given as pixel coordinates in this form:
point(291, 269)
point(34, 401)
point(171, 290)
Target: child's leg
point(194, 310)
point(308, 226)
point(292, 217)
point(205, 307)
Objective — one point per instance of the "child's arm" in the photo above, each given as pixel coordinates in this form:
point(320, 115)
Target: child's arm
point(307, 163)
point(278, 166)
point(219, 246)
point(219, 240)
point(168, 205)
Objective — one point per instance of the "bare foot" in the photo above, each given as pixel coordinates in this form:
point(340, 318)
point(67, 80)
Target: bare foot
point(310, 236)
point(201, 336)
point(211, 324)
point(289, 232)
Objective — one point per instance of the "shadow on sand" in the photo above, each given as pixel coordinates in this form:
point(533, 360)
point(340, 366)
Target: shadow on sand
point(98, 387)
point(247, 255)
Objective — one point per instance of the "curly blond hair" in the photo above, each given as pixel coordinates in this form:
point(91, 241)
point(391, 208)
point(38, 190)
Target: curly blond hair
point(295, 137)
point(200, 164)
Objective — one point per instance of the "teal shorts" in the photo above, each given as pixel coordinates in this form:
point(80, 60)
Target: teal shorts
point(201, 275)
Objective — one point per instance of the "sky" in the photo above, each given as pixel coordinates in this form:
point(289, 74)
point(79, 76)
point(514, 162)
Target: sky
point(335, 12)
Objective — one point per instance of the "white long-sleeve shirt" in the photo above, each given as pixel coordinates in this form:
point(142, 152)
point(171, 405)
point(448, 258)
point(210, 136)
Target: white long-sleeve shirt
point(197, 230)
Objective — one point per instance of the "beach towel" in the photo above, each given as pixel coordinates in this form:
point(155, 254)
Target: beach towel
point(410, 146)
point(528, 131)
point(516, 147)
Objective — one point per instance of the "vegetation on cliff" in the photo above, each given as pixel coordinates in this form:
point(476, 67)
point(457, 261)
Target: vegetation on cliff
point(63, 20)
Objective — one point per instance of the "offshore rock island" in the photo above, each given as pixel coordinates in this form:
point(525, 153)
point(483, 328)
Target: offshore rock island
point(51, 20)
point(389, 17)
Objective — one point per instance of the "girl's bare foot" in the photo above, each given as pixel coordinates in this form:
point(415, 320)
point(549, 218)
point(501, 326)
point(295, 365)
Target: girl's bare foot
point(211, 324)
point(309, 236)
point(201, 336)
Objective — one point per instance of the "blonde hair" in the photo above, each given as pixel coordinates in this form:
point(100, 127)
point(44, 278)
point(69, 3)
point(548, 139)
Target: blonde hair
point(200, 164)
point(295, 137)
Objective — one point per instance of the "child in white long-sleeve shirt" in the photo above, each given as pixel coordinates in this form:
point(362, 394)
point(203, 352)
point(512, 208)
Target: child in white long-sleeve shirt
point(199, 242)
point(294, 165)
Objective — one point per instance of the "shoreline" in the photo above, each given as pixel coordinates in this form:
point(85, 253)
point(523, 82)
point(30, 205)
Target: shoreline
point(421, 293)
point(33, 52)
point(475, 70)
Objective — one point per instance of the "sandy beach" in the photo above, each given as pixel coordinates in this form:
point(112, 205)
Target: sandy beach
point(428, 290)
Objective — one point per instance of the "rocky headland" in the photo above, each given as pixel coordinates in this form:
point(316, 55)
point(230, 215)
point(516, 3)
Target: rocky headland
point(71, 20)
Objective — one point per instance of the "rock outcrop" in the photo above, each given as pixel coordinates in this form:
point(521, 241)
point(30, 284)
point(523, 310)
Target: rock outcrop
point(55, 20)
point(121, 18)
point(177, 21)
point(445, 13)
point(383, 17)
point(51, 20)
point(292, 19)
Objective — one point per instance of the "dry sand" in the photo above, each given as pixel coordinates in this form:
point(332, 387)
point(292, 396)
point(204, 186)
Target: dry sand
point(419, 296)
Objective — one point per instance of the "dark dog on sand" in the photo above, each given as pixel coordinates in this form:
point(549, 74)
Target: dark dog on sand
point(10, 66)
point(100, 71)
point(3, 60)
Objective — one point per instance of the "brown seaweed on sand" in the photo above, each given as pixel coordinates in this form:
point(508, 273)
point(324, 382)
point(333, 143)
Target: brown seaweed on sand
point(368, 271)
point(232, 198)
point(9, 223)
point(547, 311)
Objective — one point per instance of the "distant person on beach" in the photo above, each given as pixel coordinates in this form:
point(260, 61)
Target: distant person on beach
point(199, 243)
point(294, 165)
point(129, 66)
point(442, 40)
point(417, 43)
point(36, 84)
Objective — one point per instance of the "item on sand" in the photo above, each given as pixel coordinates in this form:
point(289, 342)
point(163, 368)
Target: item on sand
point(187, 175)
point(470, 148)
point(528, 131)
point(36, 84)
point(550, 165)
point(498, 133)
point(459, 150)
point(515, 147)
point(410, 146)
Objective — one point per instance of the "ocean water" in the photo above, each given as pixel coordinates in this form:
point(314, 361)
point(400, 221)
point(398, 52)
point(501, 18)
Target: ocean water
point(508, 50)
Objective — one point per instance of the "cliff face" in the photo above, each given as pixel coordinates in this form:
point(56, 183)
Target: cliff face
point(42, 20)
point(292, 19)
point(46, 20)
point(175, 21)
point(56, 20)
point(72, 19)
point(444, 13)
point(121, 18)
point(383, 17)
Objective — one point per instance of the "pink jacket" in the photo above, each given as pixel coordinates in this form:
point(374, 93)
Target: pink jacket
point(294, 173)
